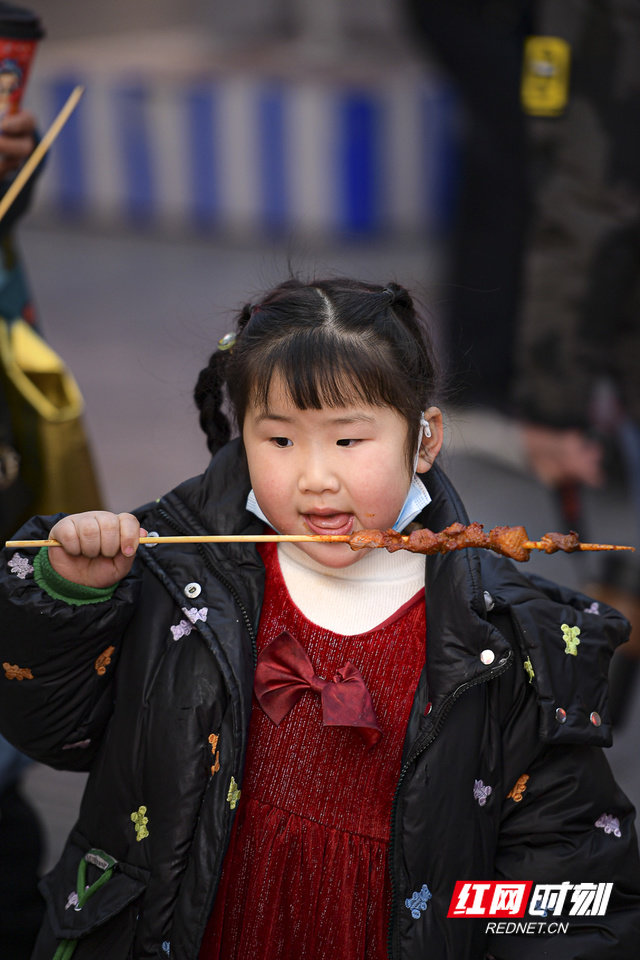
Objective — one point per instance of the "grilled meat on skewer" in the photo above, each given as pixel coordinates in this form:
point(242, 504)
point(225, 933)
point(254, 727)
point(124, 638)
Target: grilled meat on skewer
point(512, 542)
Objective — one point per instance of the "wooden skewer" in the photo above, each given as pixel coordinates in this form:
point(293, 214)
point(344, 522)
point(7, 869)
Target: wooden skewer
point(541, 545)
point(40, 150)
point(209, 538)
point(291, 538)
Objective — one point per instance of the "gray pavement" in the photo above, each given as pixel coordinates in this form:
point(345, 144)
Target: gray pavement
point(135, 317)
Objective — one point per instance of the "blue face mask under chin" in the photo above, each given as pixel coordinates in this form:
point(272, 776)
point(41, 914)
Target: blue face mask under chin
point(416, 500)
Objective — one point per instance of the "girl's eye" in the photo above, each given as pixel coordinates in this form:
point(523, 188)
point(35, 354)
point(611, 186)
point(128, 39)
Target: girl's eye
point(281, 441)
point(346, 442)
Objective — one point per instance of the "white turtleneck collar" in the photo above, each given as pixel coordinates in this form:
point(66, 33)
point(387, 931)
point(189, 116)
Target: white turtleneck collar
point(353, 599)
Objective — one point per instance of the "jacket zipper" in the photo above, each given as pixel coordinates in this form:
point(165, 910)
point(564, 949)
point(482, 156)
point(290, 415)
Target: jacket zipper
point(393, 938)
point(249, 626)
point(220, 577)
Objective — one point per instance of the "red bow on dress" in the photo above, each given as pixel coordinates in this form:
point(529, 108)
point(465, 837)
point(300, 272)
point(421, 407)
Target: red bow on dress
point(283, 674)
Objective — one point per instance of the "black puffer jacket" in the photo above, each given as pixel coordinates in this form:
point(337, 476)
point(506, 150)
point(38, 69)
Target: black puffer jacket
point(109, 687)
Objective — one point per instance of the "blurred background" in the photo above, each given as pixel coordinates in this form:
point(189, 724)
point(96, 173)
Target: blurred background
point(218, 146)
point(212, 148)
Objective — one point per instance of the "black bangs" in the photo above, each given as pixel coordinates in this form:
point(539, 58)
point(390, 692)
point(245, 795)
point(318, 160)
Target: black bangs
point(318, 369)
point(329, 343)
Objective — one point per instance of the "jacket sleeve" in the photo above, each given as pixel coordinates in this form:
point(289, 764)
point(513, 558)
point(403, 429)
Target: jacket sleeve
point(57, 660)
point(569, 828)
point(566, 825)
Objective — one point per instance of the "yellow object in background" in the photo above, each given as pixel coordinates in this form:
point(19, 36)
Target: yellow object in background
point(545, 76)
point(45, 405)
point(38, 373)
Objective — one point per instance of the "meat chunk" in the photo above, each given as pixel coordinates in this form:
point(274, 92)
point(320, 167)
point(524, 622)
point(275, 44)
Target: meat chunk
point(423, 541)
point(509, 542)
point(364, 539)
point(568, 542)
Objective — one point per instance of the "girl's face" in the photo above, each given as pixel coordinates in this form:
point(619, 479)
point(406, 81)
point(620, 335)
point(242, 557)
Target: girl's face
point(334, 470)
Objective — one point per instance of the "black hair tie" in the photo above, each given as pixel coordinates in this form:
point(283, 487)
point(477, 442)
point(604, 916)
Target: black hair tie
point(397, 295)
point(391, 294)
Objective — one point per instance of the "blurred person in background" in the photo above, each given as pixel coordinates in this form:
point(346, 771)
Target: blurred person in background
point(480, 43)
point(578, 345)
point(21, 834)
point(20, 34)
point(21, 849)
point(17, 141)
point(21, 837)
point(543, 319)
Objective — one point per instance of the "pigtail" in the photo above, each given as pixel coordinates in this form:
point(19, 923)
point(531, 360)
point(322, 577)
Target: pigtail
point(209, 396)
point(428, 371)
point(245, 315)
point(401, 302)
point(209, 393)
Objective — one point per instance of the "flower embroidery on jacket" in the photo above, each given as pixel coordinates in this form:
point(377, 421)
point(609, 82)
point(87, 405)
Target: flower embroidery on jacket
point(103, 661)
point(20, 566)
point(180, 630)
point(570, 636)
point(184, 628)
point(480, 792)
point(233, 794)
point(193, 614)
point(609, 824)
point(518, 788)
point(528, 669)
point(593, 608)
point(140, 821)
point(14, 672)
point(72, 900)
point(418, 901)
point(213, 740)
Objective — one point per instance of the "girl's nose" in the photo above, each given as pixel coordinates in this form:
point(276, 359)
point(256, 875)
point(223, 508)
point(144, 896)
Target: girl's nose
point(317, 476)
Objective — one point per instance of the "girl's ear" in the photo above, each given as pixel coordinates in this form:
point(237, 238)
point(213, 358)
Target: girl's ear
point(430, 446)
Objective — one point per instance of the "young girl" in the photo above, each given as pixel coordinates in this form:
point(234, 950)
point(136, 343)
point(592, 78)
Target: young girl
point(279, 765)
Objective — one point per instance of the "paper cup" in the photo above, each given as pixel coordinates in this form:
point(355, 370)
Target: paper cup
point(20, 31)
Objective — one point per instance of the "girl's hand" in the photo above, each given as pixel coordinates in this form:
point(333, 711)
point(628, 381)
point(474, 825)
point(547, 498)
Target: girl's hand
point(97, 548)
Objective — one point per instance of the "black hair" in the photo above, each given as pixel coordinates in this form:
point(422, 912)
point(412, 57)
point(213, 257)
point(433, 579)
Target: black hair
point(333, 342)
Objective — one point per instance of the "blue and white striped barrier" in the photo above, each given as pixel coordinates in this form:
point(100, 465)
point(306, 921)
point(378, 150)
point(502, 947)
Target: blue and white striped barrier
point(241, 155)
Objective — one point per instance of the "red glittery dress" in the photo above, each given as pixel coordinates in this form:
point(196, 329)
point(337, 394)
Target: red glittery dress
point(305, 876)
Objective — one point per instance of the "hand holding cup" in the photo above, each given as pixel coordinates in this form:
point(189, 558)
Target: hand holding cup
point(17, 140)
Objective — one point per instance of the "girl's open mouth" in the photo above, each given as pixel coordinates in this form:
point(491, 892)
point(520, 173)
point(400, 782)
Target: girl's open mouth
point(333, 523)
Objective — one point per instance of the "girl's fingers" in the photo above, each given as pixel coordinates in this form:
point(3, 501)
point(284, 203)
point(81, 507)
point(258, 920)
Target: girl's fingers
point(98, 533)
point(94, 535)
point(96, 548)
point(109, 528)
point(129, 533)
point(65, 532)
